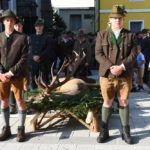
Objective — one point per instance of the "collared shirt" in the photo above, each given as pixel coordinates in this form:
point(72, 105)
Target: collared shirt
point(64, 40)
point(8, 35)
point(39, 33)
point(116, 33)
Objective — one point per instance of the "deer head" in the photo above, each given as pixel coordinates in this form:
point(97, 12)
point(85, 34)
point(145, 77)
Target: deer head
point(70, 64)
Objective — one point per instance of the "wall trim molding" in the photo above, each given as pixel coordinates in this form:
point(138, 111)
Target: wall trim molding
point(128, 10)
point(136, 0)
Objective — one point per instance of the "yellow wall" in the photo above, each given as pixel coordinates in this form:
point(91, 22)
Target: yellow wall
point(130, 16)
point(107, 4)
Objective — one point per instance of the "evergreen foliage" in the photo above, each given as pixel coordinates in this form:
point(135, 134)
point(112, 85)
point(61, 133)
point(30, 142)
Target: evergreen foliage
point(58, 25)
point(79, 104)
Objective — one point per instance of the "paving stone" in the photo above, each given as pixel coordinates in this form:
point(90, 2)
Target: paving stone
point(67, 147)
point(48, 147)
point(85, 147)
point(71, 135)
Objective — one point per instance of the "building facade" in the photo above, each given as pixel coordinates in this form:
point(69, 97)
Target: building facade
point(136, 19)
point(77, 18)
point(76, 14)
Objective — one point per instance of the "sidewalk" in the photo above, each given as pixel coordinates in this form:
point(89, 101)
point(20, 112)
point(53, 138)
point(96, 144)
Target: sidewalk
point(71, 135)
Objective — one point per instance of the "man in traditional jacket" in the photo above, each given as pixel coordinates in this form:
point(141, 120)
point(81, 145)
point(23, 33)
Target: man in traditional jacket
point(41, 53)
point(116, 51)
point(83, 45)
point(13, 63)
point(65, 47)
point(145, 45)
point(19, 28)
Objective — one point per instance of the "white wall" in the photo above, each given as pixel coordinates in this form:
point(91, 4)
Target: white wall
point(72, 3)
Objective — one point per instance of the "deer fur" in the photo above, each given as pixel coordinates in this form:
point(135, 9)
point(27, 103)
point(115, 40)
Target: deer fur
point(75, 86)
point(67, 85)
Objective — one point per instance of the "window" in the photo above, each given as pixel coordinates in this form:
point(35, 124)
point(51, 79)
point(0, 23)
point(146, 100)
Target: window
point(75, 22)
point(88, 16)
point(136, 25)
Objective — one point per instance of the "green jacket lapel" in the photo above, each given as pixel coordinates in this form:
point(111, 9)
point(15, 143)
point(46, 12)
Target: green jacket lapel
point(114, 40)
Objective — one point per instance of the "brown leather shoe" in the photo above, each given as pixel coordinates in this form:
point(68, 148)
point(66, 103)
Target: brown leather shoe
point(6, 133)
point(21, 134)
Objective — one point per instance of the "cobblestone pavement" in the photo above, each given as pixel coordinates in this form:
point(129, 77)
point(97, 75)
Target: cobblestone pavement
point(71, 135)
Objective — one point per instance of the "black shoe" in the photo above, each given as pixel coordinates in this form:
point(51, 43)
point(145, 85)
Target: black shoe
point(140, 88)
point(21, 134)
point(6, 133)
point(126, 134)
point(134, 89)
point(103, 137)
point(104, 134)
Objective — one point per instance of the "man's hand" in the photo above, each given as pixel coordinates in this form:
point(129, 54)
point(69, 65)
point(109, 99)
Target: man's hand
point(36, 58)
point(4, 78)
point(9, 74)
point(116, 70)
point(86, 64)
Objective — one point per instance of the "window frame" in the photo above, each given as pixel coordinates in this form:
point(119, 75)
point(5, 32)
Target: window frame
point(129, 23)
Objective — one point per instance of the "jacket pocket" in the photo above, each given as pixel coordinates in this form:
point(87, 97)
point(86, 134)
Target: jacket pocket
point(106, 49)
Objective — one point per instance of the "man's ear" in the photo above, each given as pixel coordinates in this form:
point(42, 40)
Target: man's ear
point(109, 20)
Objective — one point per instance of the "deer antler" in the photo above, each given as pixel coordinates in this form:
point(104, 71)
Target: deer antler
point(70, 64)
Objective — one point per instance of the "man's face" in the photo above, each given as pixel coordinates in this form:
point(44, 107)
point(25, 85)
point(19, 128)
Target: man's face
point(18, 27)
point(82, 39)
point(39, 29)
point(9, 22)
point(116, 22)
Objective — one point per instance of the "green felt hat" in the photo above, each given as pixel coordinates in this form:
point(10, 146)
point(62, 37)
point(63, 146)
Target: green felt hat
point(39, 22)
point(20, 20)
point(7, 13)
point(118, 11)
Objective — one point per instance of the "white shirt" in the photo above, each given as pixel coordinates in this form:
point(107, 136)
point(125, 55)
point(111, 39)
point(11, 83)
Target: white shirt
point(8, 35)
point(39, 33)
point(116, 33)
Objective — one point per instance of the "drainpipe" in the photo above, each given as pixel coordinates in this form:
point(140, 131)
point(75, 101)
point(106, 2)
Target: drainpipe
point(97, 15)
point(38, 9)
point(98, 3)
